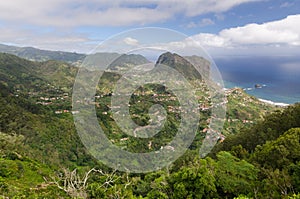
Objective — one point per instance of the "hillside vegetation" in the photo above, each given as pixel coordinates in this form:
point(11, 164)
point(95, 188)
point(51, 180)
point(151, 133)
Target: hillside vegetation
point(41, 155)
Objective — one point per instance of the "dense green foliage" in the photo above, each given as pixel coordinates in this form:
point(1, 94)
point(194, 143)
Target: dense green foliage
point(270, 128)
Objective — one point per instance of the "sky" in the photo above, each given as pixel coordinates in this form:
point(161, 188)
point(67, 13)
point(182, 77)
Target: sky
point(222, 27)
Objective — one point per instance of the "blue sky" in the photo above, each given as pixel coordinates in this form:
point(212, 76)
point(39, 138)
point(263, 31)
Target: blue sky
point(221, 26)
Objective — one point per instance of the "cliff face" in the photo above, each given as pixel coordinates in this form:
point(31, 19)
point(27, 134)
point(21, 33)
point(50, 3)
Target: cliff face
point(190, 67)
point(202, 65)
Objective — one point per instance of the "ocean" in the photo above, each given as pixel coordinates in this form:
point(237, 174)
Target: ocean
point(278, 76)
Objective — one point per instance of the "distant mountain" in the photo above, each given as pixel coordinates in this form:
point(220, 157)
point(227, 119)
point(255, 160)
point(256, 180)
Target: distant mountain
point(124, 61)
point(180, 64)
point(35, 54)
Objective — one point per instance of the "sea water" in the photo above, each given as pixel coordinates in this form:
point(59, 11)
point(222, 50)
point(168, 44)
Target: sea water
point(279, 77)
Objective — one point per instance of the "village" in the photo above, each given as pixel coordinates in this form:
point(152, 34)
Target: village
point(59, 102)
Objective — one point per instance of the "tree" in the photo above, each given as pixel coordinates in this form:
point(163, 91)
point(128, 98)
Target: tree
point(281, 152)
point(278, 183)
point(195, 180)
point(234, 176)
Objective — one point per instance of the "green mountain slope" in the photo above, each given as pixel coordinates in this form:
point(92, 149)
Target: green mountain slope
point(273, 126)
point(35, 54)
point(21, 176)
point(38, 134)
point(44, 88)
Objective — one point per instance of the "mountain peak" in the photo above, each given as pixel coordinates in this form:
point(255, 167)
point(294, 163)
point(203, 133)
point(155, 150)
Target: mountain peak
point(171, 58)
point(180, 64)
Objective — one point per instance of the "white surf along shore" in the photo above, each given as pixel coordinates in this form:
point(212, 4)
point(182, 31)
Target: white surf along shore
point(273, 103)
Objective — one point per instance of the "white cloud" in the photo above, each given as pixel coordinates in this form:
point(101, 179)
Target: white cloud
point(272, 38)
point(49, 41)
point(281, 32)
point(285, 31)
point(53, 24)
point(131, 41)
point(64, 15)
point(72, 13)
point(211, 40)
point(197, 7)
point(24, 21)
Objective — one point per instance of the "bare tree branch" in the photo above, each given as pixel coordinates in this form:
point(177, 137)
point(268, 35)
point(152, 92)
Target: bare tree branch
point(76, 186)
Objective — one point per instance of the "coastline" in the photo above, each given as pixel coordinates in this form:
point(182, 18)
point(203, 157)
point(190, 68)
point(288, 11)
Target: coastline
point(280, 104)
point(273, 103)
point(256, 92)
